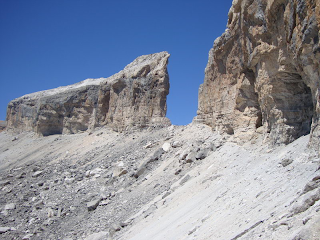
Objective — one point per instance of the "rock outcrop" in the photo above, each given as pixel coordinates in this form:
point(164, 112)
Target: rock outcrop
point(2, 125)
point(263, 72)
point(133, 98)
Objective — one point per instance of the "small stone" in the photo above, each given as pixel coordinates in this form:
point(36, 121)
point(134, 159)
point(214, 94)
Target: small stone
point(69, 180)
point(202, 154)
point(286, 162)
point(124, 224)
point(166, 195)
point(40, 184)
point(21, 175)
point(119, 171)
point(4, 183)
point(176, 144)
point(5, 212)
point(91, 206)
point(140, 171)
point(37, 174)
point(185, 179)
point(104, 202)
point(4, 229)
point(149, 145)
point(166, 146)
point(116, 227)
point(191, 157)
point(10, 206)
point(50, 212)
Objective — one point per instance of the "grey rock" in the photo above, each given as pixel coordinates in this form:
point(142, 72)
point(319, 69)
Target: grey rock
point(166, 194)
point(4, 229)
point(202, 154)
point(286, 162)
point(140, 171)
point(69, 180)
point(143, 166)
point(185, 179)
point(37, 173)
point(4, 183)
point(133, 98)
point(156, 155)
point(176, 144)
point(235, 98)
point(92, 205)
point(27, 236)
point(98, 236)
point(116, 227)
point(191, 157)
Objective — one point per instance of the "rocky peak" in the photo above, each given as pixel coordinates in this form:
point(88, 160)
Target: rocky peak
point(263, 73)
point(133, 98)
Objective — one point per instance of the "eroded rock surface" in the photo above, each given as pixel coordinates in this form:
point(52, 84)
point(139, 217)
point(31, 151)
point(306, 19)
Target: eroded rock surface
point(264, 71)
point(2, 125)
point(134, 97)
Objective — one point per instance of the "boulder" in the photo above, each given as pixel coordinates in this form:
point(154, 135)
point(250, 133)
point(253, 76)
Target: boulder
point(92, 205)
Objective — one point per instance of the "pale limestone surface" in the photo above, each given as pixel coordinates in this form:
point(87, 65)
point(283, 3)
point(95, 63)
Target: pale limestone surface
point(264, 72)
point(133, 98)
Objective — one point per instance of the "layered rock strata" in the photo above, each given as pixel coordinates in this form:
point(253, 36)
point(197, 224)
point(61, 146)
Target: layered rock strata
point(133, 98)
point(263, 72)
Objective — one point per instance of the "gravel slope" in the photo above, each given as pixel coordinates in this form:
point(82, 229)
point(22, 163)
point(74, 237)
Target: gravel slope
point(179, 182)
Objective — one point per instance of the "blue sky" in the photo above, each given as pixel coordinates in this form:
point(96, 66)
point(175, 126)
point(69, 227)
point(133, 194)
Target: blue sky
point(47, 44)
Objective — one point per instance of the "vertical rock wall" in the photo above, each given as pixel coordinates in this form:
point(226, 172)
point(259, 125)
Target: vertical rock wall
point(263, 72)
point(133, 98)
point(137, 95)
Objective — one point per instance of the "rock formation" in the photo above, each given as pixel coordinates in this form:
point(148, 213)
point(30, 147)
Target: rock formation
point(263, 72)
point(134, 97)
point(2, 125)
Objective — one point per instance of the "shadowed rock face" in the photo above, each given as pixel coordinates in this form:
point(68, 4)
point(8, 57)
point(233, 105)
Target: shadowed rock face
point(2, 125)
point(264, 71)
point(133, 98)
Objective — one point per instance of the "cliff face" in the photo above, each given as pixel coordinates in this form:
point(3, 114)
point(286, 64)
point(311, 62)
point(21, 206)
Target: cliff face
point(263, 72)
point(134, 97)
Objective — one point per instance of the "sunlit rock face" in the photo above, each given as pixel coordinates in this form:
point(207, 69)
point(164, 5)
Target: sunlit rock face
point(263, 72)
point(133, 98)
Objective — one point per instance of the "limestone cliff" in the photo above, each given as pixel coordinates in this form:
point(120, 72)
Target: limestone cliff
point(134, 97)
point(264, 72)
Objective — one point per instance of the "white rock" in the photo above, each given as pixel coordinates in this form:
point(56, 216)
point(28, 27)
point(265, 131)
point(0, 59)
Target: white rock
point(166, 146)
point(37, 174)
point(4, 229)
point(10, 206)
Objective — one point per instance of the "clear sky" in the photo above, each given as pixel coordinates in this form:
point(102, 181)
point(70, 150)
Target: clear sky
point(47, 44)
